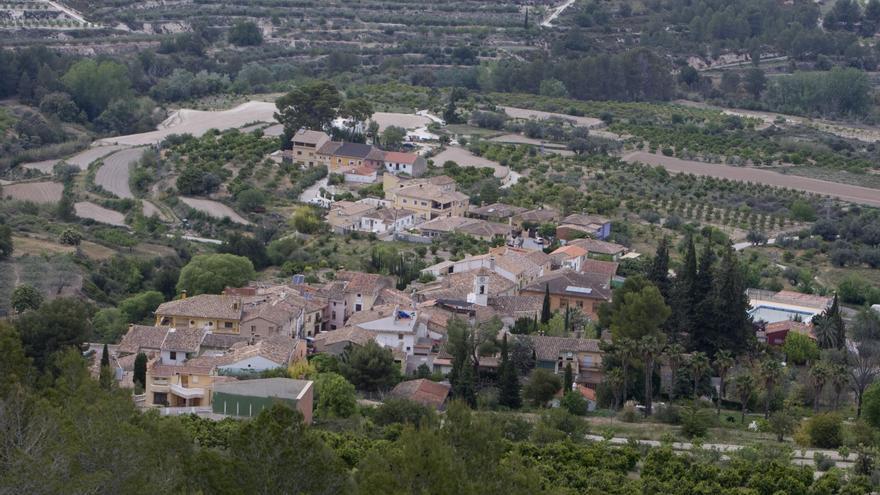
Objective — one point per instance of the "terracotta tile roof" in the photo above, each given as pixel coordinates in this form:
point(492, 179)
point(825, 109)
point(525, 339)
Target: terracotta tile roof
point(187, 339)
point(789, 326)
point(516, 305)
point(457, 286)
point(549, 348)
point(307, 136)
point(539, 215)
point(483, 228)
point(497, 210)
point(222, 341)
point(329, 147)
point(422, 391)
point(278, 349)
point(169, 370)
point(597, 246)
point(393, 296)
point(606, 268)
point(584, 220)
point(398, 157)
point(364, 283)
point(378, 311)
point(277, 312)
point(142, 337)
point(346, 334)
point(573, 284)
point(447, 224)
point(431, 192)
point(571, 251)
point(203, 306)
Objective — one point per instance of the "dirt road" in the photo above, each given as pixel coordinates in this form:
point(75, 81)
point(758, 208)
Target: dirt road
point(548, 22)
point(114, 173)
point(214, 209)
point(854, 194)
point(38, 192)
point(197, 122)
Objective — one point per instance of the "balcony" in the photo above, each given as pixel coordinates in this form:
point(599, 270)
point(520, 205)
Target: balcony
point(186, 392)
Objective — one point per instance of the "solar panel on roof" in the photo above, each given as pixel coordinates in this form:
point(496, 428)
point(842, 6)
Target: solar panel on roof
point(579, 290)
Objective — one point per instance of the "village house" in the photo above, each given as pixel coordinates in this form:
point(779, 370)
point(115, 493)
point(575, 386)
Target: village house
point(571, 257)
point(601, 250)
point(405, 163)
point(520, 266)
point(474, 227)
point(422, 391)
point(217, 313)
point(180, 377)
point(305, 145)
point(336, 342)
point(774, 334)
point(246, 399)
point(535, 217)
point(580, 225)
point(556, 353)
point(496, 212)
point(382, 220)
point(351, 292)
point(342, 157)
point(429, 201)
point(570, 289)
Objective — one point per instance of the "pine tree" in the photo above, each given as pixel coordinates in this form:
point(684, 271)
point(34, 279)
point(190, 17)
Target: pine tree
point(546, 314)
point(526, 21)
point(508, 382)
point(568, 379)
point(659, 271)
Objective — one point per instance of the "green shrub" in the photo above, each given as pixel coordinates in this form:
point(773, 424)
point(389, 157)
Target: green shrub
point(823, 431)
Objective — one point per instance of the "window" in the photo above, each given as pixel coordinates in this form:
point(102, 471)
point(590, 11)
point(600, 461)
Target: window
point(192, 322)
point(357, 307)
point(172, 355)
point(482, 290)
point(333, 315)
point(160, 398)
point(580, 304)
point(227, 324)
point(253, 328)
point(400, 336)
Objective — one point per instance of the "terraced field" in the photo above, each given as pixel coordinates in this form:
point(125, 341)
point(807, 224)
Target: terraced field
point(80, 160)
point(114, 173)
point(214, 209)
point(87, 209)
point(38, 192)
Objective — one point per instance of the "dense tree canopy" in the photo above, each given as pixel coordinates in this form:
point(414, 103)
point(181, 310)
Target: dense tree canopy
point(211, 273)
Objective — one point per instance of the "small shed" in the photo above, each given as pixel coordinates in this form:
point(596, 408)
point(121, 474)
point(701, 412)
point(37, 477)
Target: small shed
point(247, 398)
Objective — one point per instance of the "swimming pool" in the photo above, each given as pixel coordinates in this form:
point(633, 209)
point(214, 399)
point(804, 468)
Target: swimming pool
point(772, 314)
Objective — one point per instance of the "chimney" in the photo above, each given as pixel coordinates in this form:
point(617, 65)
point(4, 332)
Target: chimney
point(130, 326)
point(183, 294)
point(492, 263)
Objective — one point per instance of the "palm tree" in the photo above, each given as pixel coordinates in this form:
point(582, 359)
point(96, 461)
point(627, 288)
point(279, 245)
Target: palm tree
point(744, 384)
point(770, 372)
point(649, 347)
point(723, 362)
point(699, 364)
point(839, 379)
point(614, 378)
point(625, 350)
point(826, 333)
point(819, 375)
point(862, 373)
point(674, 355)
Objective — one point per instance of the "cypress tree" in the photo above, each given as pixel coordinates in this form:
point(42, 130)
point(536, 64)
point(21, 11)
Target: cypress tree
point(105, 356)
point(508, 382)
point(140, 369)
point(545, 308)
point(732, 325)
point(704, 320)
point(684, 287)
point(568, 379)
point(567, 320)
point(659, 270)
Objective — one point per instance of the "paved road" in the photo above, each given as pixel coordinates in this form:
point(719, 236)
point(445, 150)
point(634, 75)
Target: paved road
point(114, 174)
point(846, 192)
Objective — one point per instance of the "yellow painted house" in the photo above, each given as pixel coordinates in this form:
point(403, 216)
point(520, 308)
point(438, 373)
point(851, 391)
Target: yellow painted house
point(217, 313)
